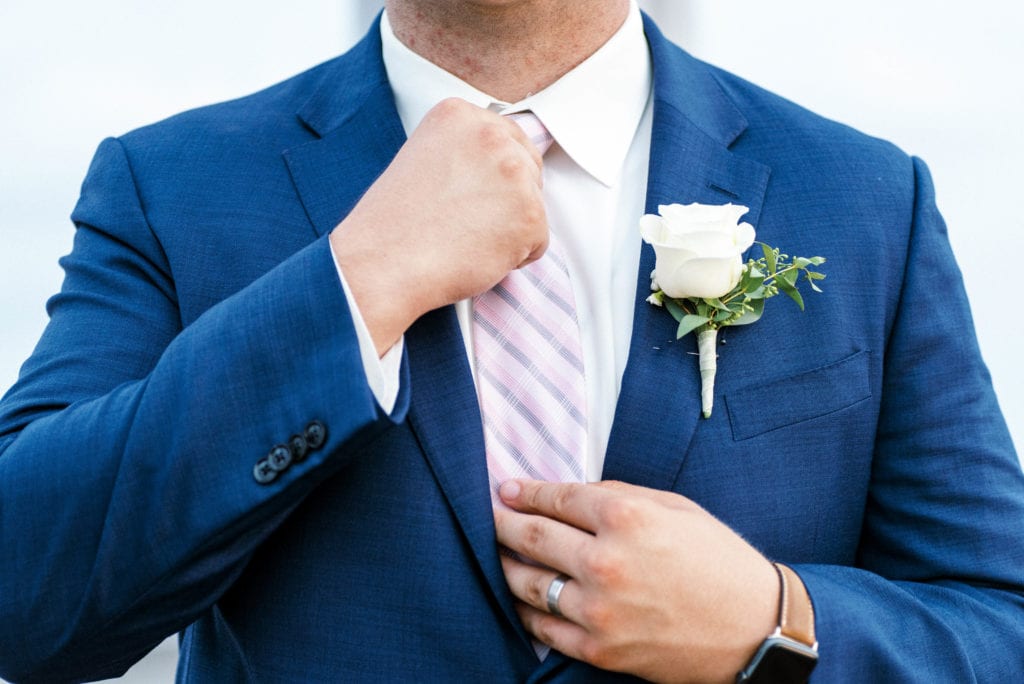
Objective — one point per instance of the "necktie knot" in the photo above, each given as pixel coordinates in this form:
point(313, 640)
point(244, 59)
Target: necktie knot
point(534, 129)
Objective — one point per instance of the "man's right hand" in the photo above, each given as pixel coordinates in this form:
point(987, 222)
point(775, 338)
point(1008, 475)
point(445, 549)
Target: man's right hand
point(458, 208)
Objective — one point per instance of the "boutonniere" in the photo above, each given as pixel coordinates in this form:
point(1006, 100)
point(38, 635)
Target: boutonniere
point(700, 278)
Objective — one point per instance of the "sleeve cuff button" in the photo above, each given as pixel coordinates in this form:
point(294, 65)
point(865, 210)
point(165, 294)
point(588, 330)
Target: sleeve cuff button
point(316, 434)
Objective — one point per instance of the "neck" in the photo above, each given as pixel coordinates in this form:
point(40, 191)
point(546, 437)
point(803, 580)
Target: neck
point(506, 48)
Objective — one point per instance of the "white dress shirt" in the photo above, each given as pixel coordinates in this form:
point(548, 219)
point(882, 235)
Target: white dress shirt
point(595, 180)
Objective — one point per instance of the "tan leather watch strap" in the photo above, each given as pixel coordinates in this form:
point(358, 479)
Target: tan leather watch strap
point(796, 612)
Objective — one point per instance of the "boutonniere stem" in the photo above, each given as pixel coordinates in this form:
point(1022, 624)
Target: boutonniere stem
point(708, 354)
point(700, 277)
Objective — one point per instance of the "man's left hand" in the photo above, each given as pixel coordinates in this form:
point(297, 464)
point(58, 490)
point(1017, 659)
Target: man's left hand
point(659, 588)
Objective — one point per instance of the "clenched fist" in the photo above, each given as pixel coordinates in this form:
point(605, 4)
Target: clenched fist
point(458, 208)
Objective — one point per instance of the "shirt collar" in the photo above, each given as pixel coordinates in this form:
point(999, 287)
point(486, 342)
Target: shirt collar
point(592, 111)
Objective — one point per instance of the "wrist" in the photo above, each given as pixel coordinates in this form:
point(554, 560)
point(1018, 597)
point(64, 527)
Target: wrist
point(373, 281)
point(790, 652)
point(758, 617)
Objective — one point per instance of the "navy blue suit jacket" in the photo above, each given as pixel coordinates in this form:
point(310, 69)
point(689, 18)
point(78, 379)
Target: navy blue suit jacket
point(201, 322)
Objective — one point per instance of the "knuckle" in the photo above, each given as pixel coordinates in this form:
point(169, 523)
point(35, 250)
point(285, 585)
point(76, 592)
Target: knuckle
point(542, 629)
point(594, 652)
point(542, 245)
point(533, 497)
point(604, 569)
point(536, 592)
point(491, 137)
point(448, 107)
point(511, 167)
point(440, 115)
point(597, 616)
point(562, 499)
point(535, 534)
point(534, 217)
point(623, 513)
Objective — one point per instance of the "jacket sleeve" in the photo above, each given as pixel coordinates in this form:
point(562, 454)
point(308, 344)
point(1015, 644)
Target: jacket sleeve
point(128, 500)
point(938, 591)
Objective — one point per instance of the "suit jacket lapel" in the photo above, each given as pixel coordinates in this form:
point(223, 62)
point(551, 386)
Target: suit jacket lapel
point(359, 132)
point(695, 122)
point(445, 416)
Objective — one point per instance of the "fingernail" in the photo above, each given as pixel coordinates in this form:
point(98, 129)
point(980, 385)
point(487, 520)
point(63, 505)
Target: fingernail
point(510, 490)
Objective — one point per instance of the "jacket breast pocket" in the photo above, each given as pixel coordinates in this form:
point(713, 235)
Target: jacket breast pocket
point(758, 409)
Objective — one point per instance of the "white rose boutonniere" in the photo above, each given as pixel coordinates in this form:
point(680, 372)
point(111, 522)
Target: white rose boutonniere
point(700, 277)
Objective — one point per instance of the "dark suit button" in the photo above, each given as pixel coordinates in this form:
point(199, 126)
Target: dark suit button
point(263, 472)
point(316, 434)
point(280, 457)
point(299, 448)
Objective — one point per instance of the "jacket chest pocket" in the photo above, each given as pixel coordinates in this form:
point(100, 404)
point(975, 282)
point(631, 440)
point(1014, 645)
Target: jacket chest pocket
point(761, 408)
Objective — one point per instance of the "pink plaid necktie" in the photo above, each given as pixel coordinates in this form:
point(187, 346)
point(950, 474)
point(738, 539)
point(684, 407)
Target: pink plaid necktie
point(529, 364)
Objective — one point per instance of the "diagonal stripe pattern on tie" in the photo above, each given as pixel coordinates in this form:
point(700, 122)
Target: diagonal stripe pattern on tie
point(529, 362)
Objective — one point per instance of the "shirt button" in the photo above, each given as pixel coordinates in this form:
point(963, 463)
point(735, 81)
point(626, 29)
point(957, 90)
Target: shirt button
point(280, 457)
point(316, 434)
point(263, 473)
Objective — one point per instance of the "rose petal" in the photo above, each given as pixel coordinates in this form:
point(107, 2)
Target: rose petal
point(688, 215)
point(701, 278)
point(651, 228)
point(745, 235)
point(707, 244)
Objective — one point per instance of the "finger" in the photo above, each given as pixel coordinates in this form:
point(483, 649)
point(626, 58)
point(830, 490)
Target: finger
point(552, 543)
point(534, 255)
point(542, 247)
point(523, 139)
point(561, 635)
point(531, 584)
point(535, 166)
point(577, 504)
point(670, 499)
point(523, 156)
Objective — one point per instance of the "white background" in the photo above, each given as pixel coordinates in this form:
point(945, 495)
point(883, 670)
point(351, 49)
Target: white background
point(941, 79)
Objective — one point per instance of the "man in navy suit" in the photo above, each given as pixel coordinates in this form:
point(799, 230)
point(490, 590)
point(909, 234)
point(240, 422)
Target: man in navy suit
point(253, 417)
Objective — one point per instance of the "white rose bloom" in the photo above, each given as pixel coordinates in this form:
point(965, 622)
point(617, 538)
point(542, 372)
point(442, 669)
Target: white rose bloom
point(698, 248)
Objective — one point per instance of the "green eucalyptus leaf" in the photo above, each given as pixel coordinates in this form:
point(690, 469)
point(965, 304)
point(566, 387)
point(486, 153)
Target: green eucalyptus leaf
point(813, 286)
point(801, 262)
point(751, 316)
point(769, 257)
point(673, 308)
point(758, 293)
point(793, 293)
point(753, 282)
point(814, 275)
point(717, 303)
point(738, 306)
point(689, 324)
point(787, 278)
point(817, 261)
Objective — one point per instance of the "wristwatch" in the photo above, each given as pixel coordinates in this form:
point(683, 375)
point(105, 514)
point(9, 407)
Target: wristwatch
point(789, 654)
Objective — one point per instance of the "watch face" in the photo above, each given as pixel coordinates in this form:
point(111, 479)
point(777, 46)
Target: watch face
point(781, 661)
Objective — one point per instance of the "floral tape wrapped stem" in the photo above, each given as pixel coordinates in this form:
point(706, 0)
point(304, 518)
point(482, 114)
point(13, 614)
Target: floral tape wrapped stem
point(708, 367)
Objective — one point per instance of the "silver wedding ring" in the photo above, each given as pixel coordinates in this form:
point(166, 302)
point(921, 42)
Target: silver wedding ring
point(554, 591)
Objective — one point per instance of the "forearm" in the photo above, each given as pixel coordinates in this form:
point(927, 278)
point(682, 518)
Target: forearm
point(150, 508)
